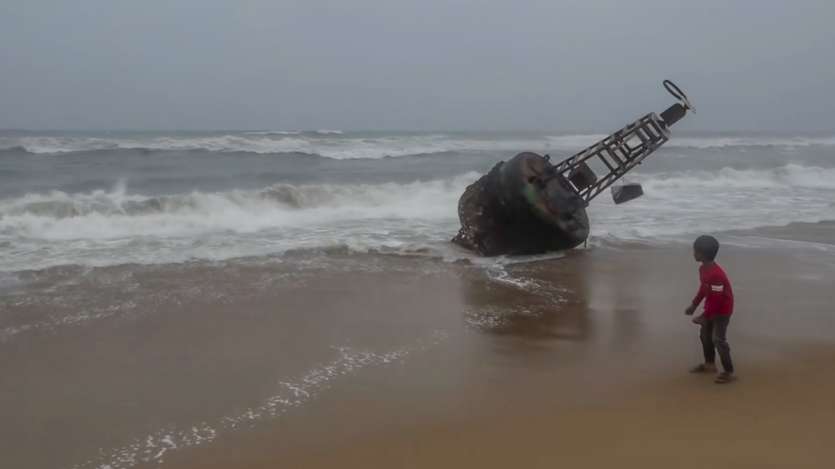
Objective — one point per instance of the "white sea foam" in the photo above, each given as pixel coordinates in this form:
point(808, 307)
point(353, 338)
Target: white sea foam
point(329, 144)
point(72, 319)
point(762, 140)
point(686, 202)
point(703, 142)
point(274, 132)
point(114, 226)
point(787, 176)
point(114, 214)
point(111, 227)
point(339, 145)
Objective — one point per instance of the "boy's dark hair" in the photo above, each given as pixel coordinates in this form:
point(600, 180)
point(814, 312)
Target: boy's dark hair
point(707, 246)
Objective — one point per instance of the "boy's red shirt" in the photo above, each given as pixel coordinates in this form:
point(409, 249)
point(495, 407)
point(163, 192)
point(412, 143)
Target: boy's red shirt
point(716, 290)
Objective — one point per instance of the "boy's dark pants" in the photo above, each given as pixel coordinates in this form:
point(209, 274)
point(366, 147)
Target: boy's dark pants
point(713, 334)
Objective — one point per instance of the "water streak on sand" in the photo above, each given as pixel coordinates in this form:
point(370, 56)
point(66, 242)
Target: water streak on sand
point(151, 449)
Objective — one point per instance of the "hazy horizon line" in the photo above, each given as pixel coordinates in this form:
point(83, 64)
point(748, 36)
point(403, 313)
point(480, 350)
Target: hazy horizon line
point(396, 130)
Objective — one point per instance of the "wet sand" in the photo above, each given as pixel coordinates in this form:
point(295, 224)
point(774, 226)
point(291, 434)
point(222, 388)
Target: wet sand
point(598, 381)
point(384, 361)
point(677, 421)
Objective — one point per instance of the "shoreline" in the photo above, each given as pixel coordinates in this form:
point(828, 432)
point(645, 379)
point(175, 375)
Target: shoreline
point(414, 362)
point(629, 404)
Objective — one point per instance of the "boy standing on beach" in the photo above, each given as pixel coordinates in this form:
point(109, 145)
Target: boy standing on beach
point(716, 290)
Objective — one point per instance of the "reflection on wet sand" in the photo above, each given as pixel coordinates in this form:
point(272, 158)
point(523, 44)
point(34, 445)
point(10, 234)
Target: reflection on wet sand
point(529, 301)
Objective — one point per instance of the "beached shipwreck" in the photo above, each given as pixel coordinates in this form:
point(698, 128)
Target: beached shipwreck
point(529, 205)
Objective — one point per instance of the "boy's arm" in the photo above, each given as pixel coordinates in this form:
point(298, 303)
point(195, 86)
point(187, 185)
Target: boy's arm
point(700, 295)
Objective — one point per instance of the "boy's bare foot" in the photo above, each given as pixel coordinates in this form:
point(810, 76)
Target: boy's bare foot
point(704, 368)
point(724, 378)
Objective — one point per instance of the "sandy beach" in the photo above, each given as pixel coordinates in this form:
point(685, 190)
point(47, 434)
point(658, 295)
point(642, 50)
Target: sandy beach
point(415, 235)
point(598, 381)
point(393, 361)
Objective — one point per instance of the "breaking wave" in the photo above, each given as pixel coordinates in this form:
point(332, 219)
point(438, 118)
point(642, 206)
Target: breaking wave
point(12, 150)
point(113, 226)
point(330, 145)
point(114, 213)
point(787, 176)
point(295, 132)
point(682, 203)
point(423, 199)
point(338, 145)
point(749, 141)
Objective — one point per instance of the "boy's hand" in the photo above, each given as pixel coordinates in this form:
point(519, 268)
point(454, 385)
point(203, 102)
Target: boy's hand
point(690, 310)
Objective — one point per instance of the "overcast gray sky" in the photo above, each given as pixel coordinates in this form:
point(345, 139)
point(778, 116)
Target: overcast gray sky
point(413, 64)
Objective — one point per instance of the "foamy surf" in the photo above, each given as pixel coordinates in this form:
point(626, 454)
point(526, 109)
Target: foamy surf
point(328, 144)
point(700, 201)
point(290, 394)
point(356, 145)
point(111, 198)
point(106, 227)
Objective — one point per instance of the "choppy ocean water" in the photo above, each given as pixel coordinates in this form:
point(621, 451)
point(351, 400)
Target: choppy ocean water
point(74, 207)
point(105, 198)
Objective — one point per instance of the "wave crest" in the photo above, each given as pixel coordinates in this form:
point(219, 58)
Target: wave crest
point(339, 145)
point(115, 213)
point(787, 176)
point(103, 227)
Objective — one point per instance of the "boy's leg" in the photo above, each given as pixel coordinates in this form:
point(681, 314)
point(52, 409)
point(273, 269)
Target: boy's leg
point(720, 331)
point(706, 335)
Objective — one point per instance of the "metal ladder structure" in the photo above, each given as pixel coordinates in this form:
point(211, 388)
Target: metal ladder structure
point(623, 150)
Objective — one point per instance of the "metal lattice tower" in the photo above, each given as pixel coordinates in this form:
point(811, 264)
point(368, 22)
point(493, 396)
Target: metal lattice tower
point(623, 150)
